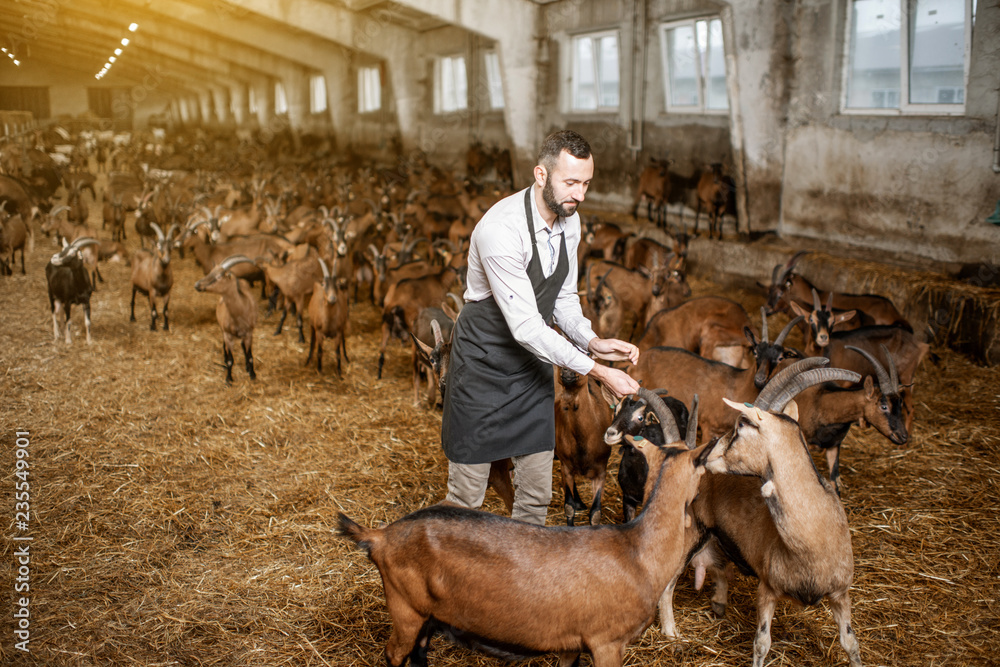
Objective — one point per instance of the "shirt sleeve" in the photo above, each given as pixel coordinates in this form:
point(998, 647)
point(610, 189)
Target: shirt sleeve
point(503, 264)
point(567, 313)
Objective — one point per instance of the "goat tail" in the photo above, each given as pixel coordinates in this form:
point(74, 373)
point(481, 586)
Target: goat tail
point(363, 537)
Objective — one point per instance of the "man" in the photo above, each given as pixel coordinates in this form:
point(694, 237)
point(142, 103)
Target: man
point(522, 270)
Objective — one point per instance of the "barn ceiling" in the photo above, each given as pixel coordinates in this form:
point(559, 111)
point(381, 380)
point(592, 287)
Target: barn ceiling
point(193, 45)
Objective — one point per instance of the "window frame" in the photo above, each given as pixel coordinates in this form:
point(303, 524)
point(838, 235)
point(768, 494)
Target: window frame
point(463, 104)
point(906, 108)
point(366, 105)
point(701, 109)
point(594, 37)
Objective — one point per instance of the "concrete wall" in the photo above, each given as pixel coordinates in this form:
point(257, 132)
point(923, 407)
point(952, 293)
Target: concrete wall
point(911, 185)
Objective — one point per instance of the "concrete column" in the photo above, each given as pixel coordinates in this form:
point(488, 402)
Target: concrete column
point(263, 88)
point(340, 102)
point(240, 107)
point(296, 84)
point(205, 103)
point(220, 97)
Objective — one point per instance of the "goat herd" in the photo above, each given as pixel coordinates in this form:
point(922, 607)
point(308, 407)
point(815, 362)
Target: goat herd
point(715, 452)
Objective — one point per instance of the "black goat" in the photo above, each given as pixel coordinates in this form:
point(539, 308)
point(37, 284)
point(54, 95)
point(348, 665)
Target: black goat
point(69, 283)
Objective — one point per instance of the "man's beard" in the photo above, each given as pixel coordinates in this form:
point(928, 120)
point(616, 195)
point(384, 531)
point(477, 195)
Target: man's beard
point(550, 200)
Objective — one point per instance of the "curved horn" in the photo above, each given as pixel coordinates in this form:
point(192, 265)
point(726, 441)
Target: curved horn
point(816, 304)
point(784, 376)
point(56, 211)
point(159, 232)
point(829, 302)
point(670, 432)
point(884, 381)
point(173, 228)
point(322, 265)
point(233, 260)
point(804, 381)
point(692, 433)
point(893, 375)
point(76, 245)
point(3, 206)
point(763, 324)
point(208, 212)
point(791, 264)
point(459, 304)
point(784, 332)
point(436, 328)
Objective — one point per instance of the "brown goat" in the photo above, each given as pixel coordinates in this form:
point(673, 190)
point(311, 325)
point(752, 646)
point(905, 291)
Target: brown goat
point(713, 193)
point(775, 517)
point(236, 311)
point(709, 326)
point(654, 188)
point(684, 374)
point(15, 234)
point(582, 415)
point(329, 315)
point(501, 585)
point(405, 299)
point(153, 275)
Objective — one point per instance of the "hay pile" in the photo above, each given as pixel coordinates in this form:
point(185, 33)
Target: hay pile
point(180, 522)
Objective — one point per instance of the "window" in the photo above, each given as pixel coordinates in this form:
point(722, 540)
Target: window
point(369, 89)
point(907, 56)
point(694, 66)
point(494, 83)
point(451, 90)
point(280, 101)
point(595, 79)
point(317, 94)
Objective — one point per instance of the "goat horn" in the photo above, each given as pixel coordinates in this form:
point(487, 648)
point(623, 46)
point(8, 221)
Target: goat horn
point(174, 227)
point(804, 381)
point(829, 302)
point(692, 433)
point(208, 212)
point(884, 381)
point(791, 264)
point(779, 341)
point(458, 302)
point(57, 211)
point(436, 328)
point(233, 260)
point(763, 324)
point(159, 232)
point(816, 304)
point(3, 206)
point(322, 265)
point(76, 245)
point(671, 434)
point(893, 375)
point(784, 376)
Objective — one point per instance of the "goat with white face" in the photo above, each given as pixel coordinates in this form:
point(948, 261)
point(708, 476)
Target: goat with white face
point(774, 515)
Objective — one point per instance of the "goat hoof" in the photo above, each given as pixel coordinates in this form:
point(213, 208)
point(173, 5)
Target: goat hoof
point(719, 609)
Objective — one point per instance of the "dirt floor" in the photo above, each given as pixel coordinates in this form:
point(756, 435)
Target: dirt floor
point(178, 521)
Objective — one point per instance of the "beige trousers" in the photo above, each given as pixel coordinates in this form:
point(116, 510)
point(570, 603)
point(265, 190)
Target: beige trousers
point(532, 485)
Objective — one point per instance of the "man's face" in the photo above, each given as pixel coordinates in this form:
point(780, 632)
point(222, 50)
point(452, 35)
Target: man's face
point(566, 185)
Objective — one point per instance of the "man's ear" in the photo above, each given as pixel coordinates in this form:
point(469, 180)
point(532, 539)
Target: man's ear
point(540, 175)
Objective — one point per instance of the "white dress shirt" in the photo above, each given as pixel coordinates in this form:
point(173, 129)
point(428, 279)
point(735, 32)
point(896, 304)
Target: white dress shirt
point(498, 262)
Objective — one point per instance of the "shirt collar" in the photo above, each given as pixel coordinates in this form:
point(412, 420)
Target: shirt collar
point(557, 227)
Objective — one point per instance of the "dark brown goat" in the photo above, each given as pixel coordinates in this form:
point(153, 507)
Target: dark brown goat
point(582, 415)
point(713, 193)
point(654, 188)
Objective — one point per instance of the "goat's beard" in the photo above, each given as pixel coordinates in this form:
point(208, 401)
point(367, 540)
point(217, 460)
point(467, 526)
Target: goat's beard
point(550, 200)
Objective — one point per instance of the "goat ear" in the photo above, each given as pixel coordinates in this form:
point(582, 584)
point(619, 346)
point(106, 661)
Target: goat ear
point(751, 336)
point(799, 310)
point(869, 387)
point(423, 349)
point(843, 317)
point(792, 410)
point(611, 399)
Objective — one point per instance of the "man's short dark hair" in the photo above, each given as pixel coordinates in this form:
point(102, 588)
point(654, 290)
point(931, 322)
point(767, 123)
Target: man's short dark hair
point(557, 142)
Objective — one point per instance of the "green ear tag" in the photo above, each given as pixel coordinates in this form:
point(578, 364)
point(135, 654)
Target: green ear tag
point(637, 437)
point(749, 405)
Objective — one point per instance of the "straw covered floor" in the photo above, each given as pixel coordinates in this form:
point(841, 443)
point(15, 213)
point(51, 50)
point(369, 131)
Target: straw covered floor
point(177, 521)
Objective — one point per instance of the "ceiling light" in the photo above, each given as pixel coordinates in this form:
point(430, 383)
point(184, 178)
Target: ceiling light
point(118, 52)
point(17, 62)
point(111, 59)
point(124, 41)
point(133, 27)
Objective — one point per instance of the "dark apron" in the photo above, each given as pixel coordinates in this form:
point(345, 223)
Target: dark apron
point(499, 397)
